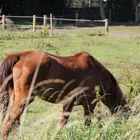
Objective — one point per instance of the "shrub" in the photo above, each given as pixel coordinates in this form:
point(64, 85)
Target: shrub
point(44, 31)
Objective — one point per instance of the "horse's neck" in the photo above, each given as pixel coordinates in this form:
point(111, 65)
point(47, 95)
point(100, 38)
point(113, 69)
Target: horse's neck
point(119, 97)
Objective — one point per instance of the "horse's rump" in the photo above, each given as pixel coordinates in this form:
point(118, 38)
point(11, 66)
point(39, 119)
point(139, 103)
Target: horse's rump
point(6, 79)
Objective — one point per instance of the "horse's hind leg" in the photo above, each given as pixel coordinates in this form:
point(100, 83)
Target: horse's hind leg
point(12, 115)
point(14, 112)
point(67, 108)
point(6, 100)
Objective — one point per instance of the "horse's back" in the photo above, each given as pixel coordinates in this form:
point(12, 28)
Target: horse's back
point(82, 68)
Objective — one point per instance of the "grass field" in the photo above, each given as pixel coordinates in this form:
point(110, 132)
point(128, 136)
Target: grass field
point(119, 52)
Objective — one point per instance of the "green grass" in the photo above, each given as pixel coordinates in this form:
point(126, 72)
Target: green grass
point(119, 52)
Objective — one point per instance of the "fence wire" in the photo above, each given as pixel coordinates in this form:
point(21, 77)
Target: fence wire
point(37, 22)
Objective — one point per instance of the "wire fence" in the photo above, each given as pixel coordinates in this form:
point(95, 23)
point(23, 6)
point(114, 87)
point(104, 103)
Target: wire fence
point(36, 22)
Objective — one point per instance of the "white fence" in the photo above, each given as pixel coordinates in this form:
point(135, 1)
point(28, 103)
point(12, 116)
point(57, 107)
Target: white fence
point(52, 20)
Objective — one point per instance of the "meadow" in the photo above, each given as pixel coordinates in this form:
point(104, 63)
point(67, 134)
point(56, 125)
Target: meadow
point(119, 52)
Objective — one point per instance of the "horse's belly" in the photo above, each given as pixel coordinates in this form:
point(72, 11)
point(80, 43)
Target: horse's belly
point(49, 93)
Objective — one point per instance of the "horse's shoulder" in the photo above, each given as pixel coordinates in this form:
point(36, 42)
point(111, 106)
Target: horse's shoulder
point(83, 59)
point(79, 60)
point(82, 54)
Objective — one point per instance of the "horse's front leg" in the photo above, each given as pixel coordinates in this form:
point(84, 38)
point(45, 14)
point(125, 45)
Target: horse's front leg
point(88, 110)
point(67, 108)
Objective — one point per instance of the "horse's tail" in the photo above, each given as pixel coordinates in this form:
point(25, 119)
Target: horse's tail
point(6, 79)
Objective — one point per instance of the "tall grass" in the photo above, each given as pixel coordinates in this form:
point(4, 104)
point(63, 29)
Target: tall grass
point(115, 52)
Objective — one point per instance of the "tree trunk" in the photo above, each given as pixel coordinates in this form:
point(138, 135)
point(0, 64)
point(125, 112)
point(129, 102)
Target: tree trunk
point(137, 16)
point(102, 10)
point(109, 10)
point(137, 10)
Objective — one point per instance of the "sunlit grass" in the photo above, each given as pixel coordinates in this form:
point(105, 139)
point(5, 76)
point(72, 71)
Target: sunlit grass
point(120, 54)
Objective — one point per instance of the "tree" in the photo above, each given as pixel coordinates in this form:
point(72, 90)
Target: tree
point(120, 10)
point(102, 9)
point(135, 4)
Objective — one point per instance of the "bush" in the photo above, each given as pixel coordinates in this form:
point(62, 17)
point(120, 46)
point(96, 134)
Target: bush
point(45, 31)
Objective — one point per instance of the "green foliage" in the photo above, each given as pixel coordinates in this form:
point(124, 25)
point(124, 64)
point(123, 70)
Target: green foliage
point(113, 131)
point(44, 31)
point(96, 33)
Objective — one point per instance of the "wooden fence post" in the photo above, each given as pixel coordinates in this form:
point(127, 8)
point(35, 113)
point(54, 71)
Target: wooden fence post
point(106, 27)
point(44, 20)
point(3, 22)
point(34, 23)
point(51, 25)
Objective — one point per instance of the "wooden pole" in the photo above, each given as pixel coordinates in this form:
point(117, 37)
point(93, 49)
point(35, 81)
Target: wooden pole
point(3, 22)
point(106, 27)
point(51, 25)
point(34, 23)
point(44, 20)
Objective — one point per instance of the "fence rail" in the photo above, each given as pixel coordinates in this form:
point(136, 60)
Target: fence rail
point(51, 21)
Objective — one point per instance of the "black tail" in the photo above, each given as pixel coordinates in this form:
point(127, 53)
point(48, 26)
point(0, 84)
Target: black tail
point(6, 79)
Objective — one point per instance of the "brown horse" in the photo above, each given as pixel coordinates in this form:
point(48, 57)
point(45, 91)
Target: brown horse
point(70, 80)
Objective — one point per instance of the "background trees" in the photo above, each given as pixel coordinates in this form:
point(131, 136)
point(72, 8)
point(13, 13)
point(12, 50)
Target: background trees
point(116, 10)
point(136, 7)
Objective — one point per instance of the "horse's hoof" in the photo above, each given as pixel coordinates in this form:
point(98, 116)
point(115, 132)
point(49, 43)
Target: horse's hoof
point(87, 122)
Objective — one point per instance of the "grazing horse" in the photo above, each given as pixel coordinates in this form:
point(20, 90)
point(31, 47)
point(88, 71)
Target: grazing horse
point(70, 80)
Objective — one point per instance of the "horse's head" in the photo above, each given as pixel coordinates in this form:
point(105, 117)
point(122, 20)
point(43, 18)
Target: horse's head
point(119, 103)
point(115, 100)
